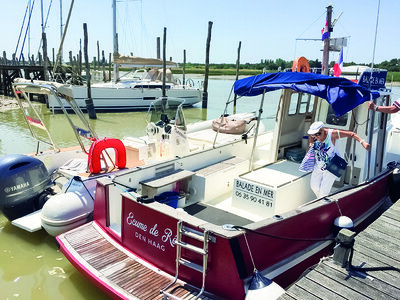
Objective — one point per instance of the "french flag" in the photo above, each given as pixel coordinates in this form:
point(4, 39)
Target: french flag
point(325, 31)
point(337, 68)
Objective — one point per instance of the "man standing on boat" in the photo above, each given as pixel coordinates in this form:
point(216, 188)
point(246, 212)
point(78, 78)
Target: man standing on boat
point(385, 109)
point(323, 141)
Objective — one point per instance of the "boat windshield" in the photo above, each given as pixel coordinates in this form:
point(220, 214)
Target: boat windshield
point(168, 110)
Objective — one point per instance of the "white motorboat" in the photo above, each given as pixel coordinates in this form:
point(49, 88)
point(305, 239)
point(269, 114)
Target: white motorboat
point(55, 189)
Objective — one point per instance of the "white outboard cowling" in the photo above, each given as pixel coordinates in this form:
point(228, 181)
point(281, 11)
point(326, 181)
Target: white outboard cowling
point(71, 209)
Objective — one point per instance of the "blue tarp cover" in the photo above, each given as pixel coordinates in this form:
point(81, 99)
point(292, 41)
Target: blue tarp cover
point(341, 93)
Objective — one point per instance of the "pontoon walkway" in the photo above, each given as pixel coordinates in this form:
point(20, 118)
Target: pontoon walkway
point(377, 246)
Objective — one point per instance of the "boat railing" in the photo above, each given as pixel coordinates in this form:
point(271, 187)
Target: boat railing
point(60, 94)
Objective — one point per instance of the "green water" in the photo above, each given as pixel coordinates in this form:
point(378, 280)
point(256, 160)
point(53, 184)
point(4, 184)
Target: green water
point(31, 266)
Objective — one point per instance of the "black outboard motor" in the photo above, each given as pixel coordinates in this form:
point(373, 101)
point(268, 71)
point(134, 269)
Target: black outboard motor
point(22, 181)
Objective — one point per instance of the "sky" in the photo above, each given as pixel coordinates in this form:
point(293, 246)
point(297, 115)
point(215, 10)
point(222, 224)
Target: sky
point(266, 29)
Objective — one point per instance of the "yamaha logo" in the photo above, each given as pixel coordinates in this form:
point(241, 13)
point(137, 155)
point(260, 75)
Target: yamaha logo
point(17, 187)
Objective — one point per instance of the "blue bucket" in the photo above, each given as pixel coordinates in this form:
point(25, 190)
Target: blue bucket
point(168, 198)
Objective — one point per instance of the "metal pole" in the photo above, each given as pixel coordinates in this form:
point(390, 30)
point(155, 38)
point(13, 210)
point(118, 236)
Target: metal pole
point(58, 59)
point(184, 67)
point(164, 62)
point(115, 39)
point(371, 112)
point(61, 29)
point(237, 74)
point(260, 111)
point(325, 58)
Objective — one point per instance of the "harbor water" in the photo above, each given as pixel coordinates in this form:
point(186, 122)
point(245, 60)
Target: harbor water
point(31, 266)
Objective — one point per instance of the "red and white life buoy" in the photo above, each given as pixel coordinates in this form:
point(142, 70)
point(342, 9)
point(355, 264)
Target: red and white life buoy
point(98, 146)
point(300, 64)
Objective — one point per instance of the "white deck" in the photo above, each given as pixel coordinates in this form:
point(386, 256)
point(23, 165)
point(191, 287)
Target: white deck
point(31, 222)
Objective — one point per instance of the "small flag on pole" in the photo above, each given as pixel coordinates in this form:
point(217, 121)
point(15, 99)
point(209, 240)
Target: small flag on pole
point(35, 122)
point(325, 31)
point(337, 68)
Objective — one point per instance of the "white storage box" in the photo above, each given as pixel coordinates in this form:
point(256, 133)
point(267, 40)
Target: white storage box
point(272, 190)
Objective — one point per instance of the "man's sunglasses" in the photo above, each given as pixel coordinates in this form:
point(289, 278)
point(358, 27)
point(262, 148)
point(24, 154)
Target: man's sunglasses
point(318, 133)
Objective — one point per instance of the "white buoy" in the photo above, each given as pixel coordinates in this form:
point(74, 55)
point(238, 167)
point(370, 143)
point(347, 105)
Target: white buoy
point(263, 288)
point(343, 222)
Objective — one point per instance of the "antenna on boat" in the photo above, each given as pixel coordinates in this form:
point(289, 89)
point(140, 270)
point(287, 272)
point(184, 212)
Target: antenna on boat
point(372, 113)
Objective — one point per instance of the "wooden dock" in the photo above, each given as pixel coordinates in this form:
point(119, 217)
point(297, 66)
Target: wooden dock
point(120, 273)
point(376, 246)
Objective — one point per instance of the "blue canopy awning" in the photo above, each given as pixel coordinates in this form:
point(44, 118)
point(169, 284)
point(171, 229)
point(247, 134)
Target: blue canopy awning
point(341, 93)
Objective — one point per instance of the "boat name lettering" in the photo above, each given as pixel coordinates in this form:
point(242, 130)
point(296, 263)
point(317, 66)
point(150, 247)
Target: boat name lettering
point(154, 231)
point(156, 245)
point(17, 187)
point(167, 237)
point(130, 220)
point(152, 237)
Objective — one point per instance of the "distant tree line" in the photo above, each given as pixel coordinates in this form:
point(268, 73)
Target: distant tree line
point(269, 64)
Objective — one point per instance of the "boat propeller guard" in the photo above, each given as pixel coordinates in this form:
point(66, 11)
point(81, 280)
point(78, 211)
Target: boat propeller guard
point(97, 148)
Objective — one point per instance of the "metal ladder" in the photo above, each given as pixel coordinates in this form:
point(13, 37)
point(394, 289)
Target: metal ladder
point(205, 238)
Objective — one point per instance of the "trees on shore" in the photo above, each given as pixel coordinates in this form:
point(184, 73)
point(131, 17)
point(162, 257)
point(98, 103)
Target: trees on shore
point(269, 64)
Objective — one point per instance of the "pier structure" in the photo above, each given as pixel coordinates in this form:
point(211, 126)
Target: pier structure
point(364, 266)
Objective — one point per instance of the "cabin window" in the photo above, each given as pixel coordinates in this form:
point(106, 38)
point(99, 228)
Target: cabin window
point(305, 104)
point(293, 104)
point(311, 104)
point(333, 120)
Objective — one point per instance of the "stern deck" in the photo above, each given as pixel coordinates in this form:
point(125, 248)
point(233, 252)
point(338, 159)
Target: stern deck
point(115, 270)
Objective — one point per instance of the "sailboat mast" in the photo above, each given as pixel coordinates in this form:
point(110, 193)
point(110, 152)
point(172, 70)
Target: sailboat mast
point(115, 42)
point(61, 29)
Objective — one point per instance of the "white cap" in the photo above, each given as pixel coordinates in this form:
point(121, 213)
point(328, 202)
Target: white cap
point(315, 127)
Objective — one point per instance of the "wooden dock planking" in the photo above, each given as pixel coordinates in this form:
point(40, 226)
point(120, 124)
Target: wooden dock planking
point(118, 269)
point(376, 246)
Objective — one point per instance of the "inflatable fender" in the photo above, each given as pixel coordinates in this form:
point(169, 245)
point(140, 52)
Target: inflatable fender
point(98, 146)
point(394, 185)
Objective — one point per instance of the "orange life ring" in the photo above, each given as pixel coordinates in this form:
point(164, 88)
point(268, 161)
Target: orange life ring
point(98, 146)
point(300, 64)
